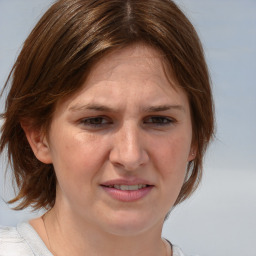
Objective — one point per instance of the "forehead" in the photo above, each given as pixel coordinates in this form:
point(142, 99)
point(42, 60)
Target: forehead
point(135, 74)
point(137, 59)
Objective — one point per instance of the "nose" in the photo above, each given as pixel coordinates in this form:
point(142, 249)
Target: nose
point(128, 150)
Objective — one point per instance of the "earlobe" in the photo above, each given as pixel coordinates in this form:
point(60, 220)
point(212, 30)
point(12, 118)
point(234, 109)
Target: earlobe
point(191, 157)
point(192, 154)
point(38, 143)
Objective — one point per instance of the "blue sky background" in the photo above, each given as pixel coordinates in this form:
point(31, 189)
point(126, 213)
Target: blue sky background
point(220, 219)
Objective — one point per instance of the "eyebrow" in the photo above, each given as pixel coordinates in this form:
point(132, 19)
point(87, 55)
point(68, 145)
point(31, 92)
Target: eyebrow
point(161, 108)
point(96, 107)
point(103, 108)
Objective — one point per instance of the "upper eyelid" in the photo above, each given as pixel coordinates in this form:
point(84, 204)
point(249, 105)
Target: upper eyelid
point(89, 121)
point(94, 117)
point(159, 116)
point(109, 120)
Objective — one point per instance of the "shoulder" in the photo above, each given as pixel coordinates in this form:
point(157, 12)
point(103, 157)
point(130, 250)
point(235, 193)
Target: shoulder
point(178, 252)
point(12, 243)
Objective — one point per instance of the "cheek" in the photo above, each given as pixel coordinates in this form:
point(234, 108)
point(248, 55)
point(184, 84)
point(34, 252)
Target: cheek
point(171, 158)
point(76, 155)
point(171, 163)
point(173, 150)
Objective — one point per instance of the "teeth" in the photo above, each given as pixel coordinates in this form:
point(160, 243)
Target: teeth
point(129, 187)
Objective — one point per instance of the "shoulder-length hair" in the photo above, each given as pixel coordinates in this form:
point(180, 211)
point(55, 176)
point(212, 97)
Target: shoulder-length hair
point(59, 53)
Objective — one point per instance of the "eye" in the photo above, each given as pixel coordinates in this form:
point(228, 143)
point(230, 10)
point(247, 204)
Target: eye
point(159, 120)
point(97, 122)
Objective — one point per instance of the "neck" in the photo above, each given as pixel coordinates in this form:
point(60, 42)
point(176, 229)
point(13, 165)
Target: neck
point(67, 235)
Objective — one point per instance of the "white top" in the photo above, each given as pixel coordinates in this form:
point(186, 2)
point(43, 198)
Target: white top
point(23, 240)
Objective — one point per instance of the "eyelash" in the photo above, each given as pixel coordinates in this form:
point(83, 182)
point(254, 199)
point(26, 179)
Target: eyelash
point(94, 121)
point(100, 121)
point(159, 120)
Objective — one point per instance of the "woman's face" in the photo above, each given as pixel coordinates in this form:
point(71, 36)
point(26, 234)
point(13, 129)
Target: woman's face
point(121, 145)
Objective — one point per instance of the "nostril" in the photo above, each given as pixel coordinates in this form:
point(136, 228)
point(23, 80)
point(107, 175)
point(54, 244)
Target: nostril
point(128, 160)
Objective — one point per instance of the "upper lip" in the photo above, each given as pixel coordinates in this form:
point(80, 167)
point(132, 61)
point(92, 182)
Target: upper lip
point(133, 181)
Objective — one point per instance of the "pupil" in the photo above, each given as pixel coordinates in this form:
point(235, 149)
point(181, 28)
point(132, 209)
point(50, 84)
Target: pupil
point(97, 120)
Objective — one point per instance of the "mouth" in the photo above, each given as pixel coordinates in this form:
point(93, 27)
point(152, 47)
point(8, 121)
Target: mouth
point(127, 191)
point(127, 187)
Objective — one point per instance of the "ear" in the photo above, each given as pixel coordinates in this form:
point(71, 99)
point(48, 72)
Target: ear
point(192, 153)
point(38, 143)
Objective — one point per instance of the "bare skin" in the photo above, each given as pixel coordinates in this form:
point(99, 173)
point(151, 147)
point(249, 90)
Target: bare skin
point(127, 127)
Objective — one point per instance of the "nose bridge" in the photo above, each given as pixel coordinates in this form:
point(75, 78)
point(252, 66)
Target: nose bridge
point(132, 144)
point(128, 149)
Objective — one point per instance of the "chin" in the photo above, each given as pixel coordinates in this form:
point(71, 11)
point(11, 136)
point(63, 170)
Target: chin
point(132, 224)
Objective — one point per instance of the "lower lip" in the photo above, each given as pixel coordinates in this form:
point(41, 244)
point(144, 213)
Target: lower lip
point(128, 195)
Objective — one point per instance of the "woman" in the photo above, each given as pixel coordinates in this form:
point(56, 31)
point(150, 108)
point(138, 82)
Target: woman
point(107, 120)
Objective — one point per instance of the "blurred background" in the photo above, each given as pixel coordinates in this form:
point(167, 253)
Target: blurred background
point(220, 218)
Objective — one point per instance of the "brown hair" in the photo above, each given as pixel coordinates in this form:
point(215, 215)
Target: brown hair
point(57, 56)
